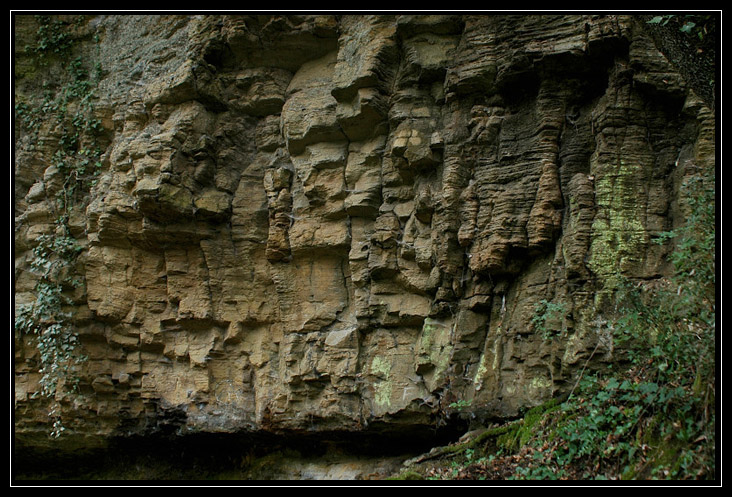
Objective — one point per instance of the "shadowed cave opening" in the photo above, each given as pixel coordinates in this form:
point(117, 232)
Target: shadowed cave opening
point(221, 456)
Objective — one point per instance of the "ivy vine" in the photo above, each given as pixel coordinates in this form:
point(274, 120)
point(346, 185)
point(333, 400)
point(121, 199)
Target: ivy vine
point(77, 160)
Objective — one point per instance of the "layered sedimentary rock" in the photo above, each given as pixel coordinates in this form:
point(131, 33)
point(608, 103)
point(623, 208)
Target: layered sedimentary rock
point(334, 223)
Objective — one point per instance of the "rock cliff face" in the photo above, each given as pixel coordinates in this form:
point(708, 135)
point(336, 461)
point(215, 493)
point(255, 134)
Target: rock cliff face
point(344, 223)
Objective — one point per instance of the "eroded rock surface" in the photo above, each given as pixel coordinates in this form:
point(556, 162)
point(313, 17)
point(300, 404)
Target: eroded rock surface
point(340, 222)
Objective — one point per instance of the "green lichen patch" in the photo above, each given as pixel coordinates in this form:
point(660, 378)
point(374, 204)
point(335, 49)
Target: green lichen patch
point(381, 369)
point(433, 350)
point(618, 234)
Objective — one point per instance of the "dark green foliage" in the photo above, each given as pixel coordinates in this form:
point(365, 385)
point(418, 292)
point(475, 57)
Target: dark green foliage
point(695, 25)
point(52, 38)
point(545, 313)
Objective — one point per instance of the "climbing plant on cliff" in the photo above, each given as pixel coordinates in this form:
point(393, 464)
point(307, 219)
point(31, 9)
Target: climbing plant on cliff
point(73, 164)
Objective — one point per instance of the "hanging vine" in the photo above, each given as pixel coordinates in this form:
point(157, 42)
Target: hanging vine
point(77, 162)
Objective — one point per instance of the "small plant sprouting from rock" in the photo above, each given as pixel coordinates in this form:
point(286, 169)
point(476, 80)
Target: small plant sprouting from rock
point(460, 405)
point(547, 311)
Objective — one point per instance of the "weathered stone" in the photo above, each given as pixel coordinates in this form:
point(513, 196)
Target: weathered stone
point(309, 114)
point(327, 223)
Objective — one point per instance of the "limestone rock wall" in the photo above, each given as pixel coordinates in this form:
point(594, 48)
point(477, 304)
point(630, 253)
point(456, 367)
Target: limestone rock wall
point(339, 222)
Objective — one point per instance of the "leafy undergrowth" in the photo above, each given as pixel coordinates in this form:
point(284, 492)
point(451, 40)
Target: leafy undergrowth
point(650, 417)
point(611, 430)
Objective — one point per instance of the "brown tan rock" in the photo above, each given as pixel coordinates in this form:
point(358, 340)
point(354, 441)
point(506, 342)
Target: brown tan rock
point(312, 224)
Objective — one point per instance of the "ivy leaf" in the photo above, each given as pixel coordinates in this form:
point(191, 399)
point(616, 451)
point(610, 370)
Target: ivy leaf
point(686, 28)
point(612, 384)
